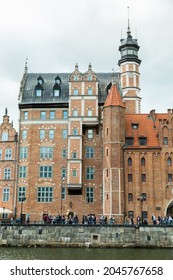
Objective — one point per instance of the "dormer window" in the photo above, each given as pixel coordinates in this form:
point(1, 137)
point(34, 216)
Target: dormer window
point(134, 126)
point(89, 78)
point(57, 80)
point(56, 90)
point(40, 80)
point(129, 141)
point(38, 90)
point(142, 141)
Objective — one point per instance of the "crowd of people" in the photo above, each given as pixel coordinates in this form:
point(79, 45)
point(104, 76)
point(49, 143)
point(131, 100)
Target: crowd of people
point(89, 219)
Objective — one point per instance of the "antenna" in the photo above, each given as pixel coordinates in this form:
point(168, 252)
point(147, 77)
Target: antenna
point(128, 28)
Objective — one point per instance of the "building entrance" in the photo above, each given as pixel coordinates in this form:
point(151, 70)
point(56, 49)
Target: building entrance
point(170, 209)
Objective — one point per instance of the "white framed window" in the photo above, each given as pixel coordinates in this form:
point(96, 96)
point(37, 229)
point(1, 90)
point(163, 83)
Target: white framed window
point(43, 115)
point(24, 134)
point(90, 133)
point(56, 92)
point(89, 194)
point(52, 114)
point(6, 194)
point(90, 91)
point(22, 171)
point(51, 133)
point(64, 153)
point(89, 152)
point(90, 173)
point(75, 113)
point(42, 134)
point(46, 152)
point(65, 114)
point(38, 92)
point(90, 112)
point(25, 115)
point(7, 173)
point(8, 154)
point(46, 171)
point(44, 194)
point(75, 91)
point(64, 133)
point(23, 152)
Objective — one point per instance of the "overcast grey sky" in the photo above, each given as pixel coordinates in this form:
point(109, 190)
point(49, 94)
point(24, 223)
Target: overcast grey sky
point(55, 34)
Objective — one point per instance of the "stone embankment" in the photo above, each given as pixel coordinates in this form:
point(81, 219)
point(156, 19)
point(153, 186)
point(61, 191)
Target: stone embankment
point(86, 236)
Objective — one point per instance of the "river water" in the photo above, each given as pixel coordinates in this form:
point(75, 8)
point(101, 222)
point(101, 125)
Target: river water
point(22, 253)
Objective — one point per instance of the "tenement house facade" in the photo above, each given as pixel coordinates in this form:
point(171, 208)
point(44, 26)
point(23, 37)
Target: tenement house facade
point(8, 168)
point(85, 147)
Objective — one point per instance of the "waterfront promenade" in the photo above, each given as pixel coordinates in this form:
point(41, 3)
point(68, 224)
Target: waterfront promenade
point(80, 235)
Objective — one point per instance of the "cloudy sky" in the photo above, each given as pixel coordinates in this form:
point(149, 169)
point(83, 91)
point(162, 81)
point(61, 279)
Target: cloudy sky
point(55, 34)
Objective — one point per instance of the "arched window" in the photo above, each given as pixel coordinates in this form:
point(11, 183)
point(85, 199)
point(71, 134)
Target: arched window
point(169, 161)
point(142, 161)
point(129, 162)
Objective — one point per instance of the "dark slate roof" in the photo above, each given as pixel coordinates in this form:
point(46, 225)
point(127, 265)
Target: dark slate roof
point(28, 92)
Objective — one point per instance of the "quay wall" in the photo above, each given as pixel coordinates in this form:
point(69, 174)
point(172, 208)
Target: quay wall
point(86, 236)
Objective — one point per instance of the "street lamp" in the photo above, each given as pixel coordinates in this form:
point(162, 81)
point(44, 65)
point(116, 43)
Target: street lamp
point(23, 198)
point(62, 183)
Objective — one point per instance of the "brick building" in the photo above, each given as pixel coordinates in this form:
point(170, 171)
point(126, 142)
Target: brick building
point(8, 167)
point(85, 147)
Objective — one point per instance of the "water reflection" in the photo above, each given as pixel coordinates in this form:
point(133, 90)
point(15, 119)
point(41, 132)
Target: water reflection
point(11, 253)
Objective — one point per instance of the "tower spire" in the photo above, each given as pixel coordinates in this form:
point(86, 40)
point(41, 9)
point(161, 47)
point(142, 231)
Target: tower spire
point(128, 26)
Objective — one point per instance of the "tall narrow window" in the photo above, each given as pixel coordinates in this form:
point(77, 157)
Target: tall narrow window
point(75, 91)
point(7, 173)
point(165, 140)
point(169, 161)
point(143, 177)
point(6, 194)
point(130, 178)
point(89, 194)
point(129, 162)
point(24, 134)
point(90, 92)
point(51, 133)
point(90, 133)
point(42, 134)
point(142, 161)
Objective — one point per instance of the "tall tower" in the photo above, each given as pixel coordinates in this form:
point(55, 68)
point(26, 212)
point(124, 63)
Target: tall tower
point(129, 70)
point(113, 142)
